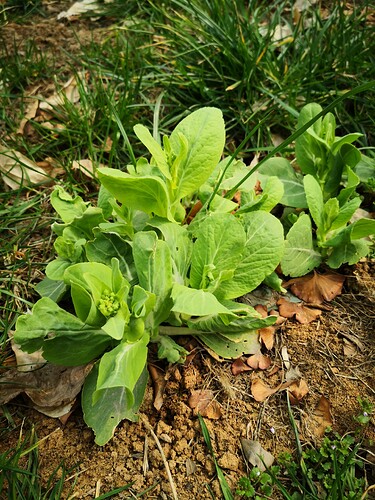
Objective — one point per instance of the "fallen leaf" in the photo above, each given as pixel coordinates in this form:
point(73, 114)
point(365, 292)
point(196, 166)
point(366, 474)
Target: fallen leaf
point(316, 288)
point(202, 401)
point(259, 361)
point(302, 313)
point(256, 455)
point(18, 170)
point(51, 388)
point(84, 166)
point(30, 113)
point(321, 418)
point(159, 382)
point(68, 92)
point(191, 467)
point(262, 310)
point(79, 8)
point(239, 366)
point(280, 319)
point(297, 390)
point(261, 391)
point(267, 336)
point(349, 349)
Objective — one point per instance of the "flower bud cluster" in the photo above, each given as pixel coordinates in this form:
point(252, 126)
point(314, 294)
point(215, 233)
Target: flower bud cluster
point(108, 304)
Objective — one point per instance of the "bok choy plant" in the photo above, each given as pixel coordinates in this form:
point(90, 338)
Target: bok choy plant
point(130, 273)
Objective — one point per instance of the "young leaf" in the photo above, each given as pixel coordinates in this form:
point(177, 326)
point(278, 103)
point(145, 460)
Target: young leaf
point(195, 302)
point(308, 147)
point(113, 405)
point(204, 131)
point(122, 366)
point(155, 149)
point(64, 338)
point(220, 240)
point(66, 206)
point(263, 251)
point(300, 256)
point(105, 246)
point(146, 193)
point(153, 263)
point(314, 198)
point(294, 193)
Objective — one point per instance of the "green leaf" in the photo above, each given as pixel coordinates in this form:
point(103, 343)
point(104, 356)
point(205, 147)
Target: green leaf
point(314, 198)
point(204, 131)
point(56, 268)
point(345, 214)
point(180, 245)
point(228, 349)
point(122, 366)
point(263, 251)
point(365, 169)
point(220, 241)
point(347, 139)
point(352, 182)
point(64, 338)
point(66, 206)
point(347, 251)
point(195, 302)
point(294, 193)
point(308, 148)
point(54, 289)
point(153, 263)
point(170, 350)
point(154, 148)
point(362, 228)
point(146, 193)
point(107, 245)
point(113, 405)
point(273, 191)
point(81, 272)
point(300, 256)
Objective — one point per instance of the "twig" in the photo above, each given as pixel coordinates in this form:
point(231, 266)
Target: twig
point(150, 429)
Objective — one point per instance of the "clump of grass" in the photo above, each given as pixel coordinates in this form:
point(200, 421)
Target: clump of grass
point(225, 53)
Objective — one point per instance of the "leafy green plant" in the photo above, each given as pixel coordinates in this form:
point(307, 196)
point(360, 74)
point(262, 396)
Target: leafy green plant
point(134, 273)
point(330, 182)
point(257, 484)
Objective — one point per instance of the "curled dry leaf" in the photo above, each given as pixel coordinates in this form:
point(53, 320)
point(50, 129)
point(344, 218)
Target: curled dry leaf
point(18, 170)
point(302, 313)
point(239, 366)
point(261, 391)
point(256, 455)
point(51, 388)
point(321, 418)
point(259, 361)
point(267, 336)
point(159, 382)
point(262, 310)
point(316, 288)
point(202, 401)
point(79, 8)
point(85, 166)
point(297, 390)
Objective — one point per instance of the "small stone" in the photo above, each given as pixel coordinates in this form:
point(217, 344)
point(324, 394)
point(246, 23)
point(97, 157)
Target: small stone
point(229, 461)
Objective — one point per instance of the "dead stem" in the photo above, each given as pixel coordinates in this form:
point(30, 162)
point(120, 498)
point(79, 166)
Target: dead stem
point(151, 431)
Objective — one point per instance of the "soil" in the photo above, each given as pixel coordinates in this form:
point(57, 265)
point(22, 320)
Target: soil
point(335, 356)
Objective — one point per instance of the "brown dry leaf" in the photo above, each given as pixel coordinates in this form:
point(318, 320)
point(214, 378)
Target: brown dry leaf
point(18, 170)
point(84, 166)
point(159, 382)
point(51, 167)
point(350, 349)
point(108, 145)
point(261, 391)
point(202, 401)
point(30, 113)
point(297, 390)
point(256, 455)
point(69, 92)
point(259, 361)
point(302, 313)
point(51, 388)
point(267, 336)
point(262, 310)
point(316, 288)
point(321, 418)
point(79, 8)
point(239, 366)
